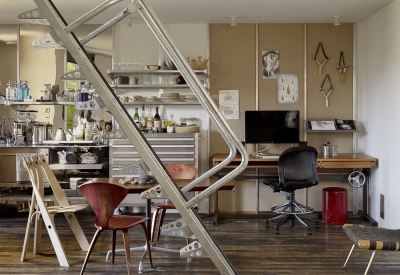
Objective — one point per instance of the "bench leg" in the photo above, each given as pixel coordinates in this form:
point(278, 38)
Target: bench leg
point(370, 261)
point(348, 257)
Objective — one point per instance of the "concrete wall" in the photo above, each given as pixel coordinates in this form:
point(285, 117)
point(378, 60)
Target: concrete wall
point(378, 96)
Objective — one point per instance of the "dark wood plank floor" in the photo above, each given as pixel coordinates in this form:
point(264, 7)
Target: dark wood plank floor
point(250, 247)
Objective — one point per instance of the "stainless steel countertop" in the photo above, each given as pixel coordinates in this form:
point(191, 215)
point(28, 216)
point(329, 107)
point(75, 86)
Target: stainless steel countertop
point(5, 145)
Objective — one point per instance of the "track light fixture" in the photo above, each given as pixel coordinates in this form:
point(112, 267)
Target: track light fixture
point(233, 20)
point(337, 21)
point(130, 22)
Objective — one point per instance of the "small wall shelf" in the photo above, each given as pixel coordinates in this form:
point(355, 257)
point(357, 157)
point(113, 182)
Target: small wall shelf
point(310, 130)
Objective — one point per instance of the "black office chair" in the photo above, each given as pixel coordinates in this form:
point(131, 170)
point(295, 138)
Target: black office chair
point(296, 171)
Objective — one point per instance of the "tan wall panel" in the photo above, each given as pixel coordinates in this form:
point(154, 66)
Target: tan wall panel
point(232, 62)
point(334, 39)
point(288, 39)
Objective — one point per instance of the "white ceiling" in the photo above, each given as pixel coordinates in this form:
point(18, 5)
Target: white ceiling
point(215, 11)
point(202, 11)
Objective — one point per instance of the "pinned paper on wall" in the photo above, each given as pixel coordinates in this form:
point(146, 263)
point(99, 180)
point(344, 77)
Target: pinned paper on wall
point(229, 103)
point(288, 88)
point(271, 66)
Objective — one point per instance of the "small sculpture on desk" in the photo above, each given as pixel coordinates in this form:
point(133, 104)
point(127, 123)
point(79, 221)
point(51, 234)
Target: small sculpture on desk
point(334, 150)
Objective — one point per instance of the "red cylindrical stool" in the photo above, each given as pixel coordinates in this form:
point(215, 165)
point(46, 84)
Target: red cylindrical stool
point(334, 205)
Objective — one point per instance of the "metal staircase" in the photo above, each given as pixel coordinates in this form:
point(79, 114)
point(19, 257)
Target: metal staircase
point(62, 35)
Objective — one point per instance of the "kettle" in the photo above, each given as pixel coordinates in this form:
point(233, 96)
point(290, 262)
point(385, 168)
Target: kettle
point(60, 135)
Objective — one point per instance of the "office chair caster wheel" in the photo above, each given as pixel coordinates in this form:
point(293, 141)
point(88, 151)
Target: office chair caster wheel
point(266, 223)
point(309, 232)
point(276, 232)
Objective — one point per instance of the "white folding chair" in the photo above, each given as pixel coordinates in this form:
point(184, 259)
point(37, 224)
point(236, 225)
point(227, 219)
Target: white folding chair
point(37, 166)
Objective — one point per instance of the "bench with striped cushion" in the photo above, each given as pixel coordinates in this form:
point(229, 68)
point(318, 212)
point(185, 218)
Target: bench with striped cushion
point(371, 238)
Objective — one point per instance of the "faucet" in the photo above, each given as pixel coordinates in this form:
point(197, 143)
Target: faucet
point(3, 118)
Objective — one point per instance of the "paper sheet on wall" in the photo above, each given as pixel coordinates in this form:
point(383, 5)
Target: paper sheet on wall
point(229, 103)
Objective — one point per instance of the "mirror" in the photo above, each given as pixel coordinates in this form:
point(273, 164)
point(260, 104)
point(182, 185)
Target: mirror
point(44, 66)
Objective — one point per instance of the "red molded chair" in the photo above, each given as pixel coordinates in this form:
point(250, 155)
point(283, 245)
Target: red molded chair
point(104, 198)
point(177, 171)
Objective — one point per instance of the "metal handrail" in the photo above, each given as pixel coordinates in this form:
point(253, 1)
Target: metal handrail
point(205, 100)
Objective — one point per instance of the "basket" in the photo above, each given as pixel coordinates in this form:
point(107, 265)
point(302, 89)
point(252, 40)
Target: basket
point(198, 64)
point(187, 129)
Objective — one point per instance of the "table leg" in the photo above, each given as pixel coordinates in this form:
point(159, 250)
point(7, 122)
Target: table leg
point(215, 219)
point(148, 215)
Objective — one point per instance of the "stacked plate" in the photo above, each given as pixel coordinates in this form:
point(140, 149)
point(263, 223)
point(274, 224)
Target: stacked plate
point(151, 98)
point(135, 98)
point(171, 97)
point(190, 98)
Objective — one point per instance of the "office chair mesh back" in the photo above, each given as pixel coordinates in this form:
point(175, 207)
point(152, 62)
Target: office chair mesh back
point(298, 164)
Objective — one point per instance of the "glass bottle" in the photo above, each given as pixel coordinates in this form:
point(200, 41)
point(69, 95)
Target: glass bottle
point(164, 120)
point(143, 120)
point(95, 131)
point(26, 90)
point(157, 119)
point(136, 117)
point(88, 131)
point(20, 91)
point(10, 95)
point(84, 129)
point(79, 131)
point(84, 94)
point(149, 119)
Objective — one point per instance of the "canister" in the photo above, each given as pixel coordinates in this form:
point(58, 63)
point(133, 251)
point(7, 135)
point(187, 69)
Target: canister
point(38, 133)
point(49, 132)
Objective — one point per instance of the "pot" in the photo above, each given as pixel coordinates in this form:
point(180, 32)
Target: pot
point(60, 135)
point(38, 133)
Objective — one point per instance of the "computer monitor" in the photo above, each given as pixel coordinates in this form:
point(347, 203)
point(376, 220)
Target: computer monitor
point(272, 126)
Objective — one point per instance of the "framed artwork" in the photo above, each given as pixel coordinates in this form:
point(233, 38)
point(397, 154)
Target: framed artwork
point(271, 66)
point(288, 88)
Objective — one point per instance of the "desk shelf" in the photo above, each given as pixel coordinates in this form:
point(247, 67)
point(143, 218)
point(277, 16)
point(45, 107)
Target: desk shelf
point(310, 130)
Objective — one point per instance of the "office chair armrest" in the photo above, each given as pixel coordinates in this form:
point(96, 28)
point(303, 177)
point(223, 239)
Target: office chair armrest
point(316, 178)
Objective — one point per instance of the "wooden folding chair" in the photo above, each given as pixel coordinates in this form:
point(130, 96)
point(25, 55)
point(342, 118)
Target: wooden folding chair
point(37, 166)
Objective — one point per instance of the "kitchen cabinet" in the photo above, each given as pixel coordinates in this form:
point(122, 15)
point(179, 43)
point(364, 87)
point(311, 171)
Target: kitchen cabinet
point(170, 148)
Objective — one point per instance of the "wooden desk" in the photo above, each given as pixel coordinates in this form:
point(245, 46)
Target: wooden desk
point(355, 161)
point(346, 161)
point(139, 188)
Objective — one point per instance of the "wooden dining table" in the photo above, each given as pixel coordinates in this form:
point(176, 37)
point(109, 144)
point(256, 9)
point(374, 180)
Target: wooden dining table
point(139, 188)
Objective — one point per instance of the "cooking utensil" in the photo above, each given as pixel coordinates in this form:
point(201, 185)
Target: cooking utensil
point(38, 133)
point(60, 135)
point(49, 131)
